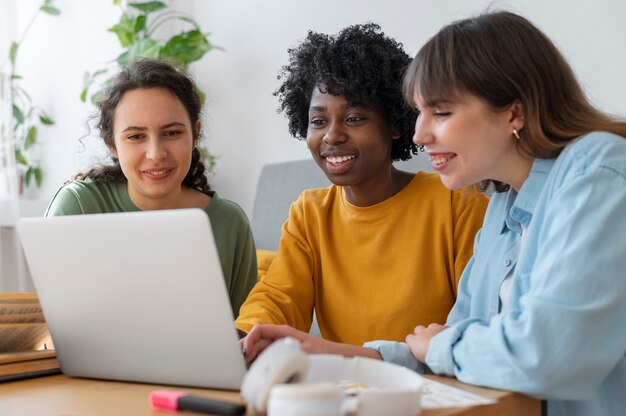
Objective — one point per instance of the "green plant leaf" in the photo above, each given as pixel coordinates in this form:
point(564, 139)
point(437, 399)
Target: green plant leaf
point(122, 59)
point(149, 6)
point(46, 120)
point(140, 23)
point(19, 157)
point(13, 52)
point(116, 2)
point(186, 47)
point(33, 171)
point(31, 137)
point(145, 48)
point(50, 10)
point(17, 114)
point(87, 81)
point(125, 30)
point(97, 96)
point(29, 174)
point(38, 176)
point(15, 77)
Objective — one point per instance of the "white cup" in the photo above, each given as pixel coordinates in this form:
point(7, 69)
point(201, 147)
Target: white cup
point(311, 399)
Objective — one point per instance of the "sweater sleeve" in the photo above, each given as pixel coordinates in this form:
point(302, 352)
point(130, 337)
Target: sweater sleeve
point(65, 202)
point(286, 294)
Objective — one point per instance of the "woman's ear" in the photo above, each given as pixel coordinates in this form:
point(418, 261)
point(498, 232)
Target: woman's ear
point(198, 129)
point(113, 150)
point(516, 117)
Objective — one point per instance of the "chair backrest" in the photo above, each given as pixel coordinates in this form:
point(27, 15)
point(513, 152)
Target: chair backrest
point(281, 183)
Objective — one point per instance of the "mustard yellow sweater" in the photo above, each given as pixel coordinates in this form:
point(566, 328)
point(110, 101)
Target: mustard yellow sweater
point(370, 272)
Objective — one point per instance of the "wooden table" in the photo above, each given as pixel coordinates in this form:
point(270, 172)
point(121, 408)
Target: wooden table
point(68, 396)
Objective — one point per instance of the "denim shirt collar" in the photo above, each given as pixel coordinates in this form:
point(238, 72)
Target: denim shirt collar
point(521, 205)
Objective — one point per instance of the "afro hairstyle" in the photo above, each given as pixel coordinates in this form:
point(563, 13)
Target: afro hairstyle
point(359, 63)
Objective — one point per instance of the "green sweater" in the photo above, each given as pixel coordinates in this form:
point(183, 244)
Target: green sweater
point(230, 225)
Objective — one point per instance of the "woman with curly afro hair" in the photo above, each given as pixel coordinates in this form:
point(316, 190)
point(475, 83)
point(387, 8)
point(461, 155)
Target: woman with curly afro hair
point(380, 249)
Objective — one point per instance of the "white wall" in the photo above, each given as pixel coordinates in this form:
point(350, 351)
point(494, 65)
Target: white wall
point(52, 59)
point(242, 125)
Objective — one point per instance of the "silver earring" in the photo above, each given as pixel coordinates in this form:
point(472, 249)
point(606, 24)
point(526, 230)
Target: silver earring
point(516, 134)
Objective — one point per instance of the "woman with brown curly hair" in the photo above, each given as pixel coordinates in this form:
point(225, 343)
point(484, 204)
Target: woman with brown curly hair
point(149, 119)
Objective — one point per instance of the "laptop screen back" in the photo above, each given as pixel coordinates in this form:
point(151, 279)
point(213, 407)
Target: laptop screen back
point(135, 297)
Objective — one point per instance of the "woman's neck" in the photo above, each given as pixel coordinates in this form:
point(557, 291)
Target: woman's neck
point(520, 172)
point(186, 198)
point(378, 189)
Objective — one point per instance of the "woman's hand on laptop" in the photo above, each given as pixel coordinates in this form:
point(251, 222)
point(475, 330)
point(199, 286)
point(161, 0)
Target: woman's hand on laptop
point(261, 336)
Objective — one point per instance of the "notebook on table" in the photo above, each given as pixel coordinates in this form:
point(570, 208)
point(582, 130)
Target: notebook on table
point(135, 297)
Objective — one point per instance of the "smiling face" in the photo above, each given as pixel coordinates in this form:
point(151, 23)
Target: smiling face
point(350, 142)
point(153, 140)
point(468, 141)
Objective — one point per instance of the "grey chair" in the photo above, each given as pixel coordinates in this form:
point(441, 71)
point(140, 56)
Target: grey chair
point(279, 186)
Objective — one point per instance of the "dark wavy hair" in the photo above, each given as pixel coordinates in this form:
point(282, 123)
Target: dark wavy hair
point(149, 73)
point(501, 57)
point(360, 63)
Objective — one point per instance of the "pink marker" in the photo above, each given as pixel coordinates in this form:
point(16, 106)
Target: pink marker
point(172, 401)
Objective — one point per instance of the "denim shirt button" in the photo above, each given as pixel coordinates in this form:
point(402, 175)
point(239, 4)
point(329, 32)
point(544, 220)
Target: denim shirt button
point(507, 263)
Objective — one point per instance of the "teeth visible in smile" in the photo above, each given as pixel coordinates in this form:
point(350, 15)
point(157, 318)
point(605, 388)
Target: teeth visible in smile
point(438, 160)
point(156, 172)
point(339, 159)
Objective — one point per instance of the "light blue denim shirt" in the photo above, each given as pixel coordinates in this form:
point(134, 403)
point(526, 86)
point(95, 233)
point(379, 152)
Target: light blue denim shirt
point(563, 334)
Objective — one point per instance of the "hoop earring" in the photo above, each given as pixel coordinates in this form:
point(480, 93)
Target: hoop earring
point(516, 135)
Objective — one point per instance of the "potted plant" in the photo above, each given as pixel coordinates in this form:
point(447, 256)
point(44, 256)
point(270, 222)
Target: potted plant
point(26, 116)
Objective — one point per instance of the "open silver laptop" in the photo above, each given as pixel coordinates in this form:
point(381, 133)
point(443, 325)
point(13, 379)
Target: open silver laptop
point(135, 297)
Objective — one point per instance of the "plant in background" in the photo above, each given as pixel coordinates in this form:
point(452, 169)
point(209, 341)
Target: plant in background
point(27, 115)
point(136, 31)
